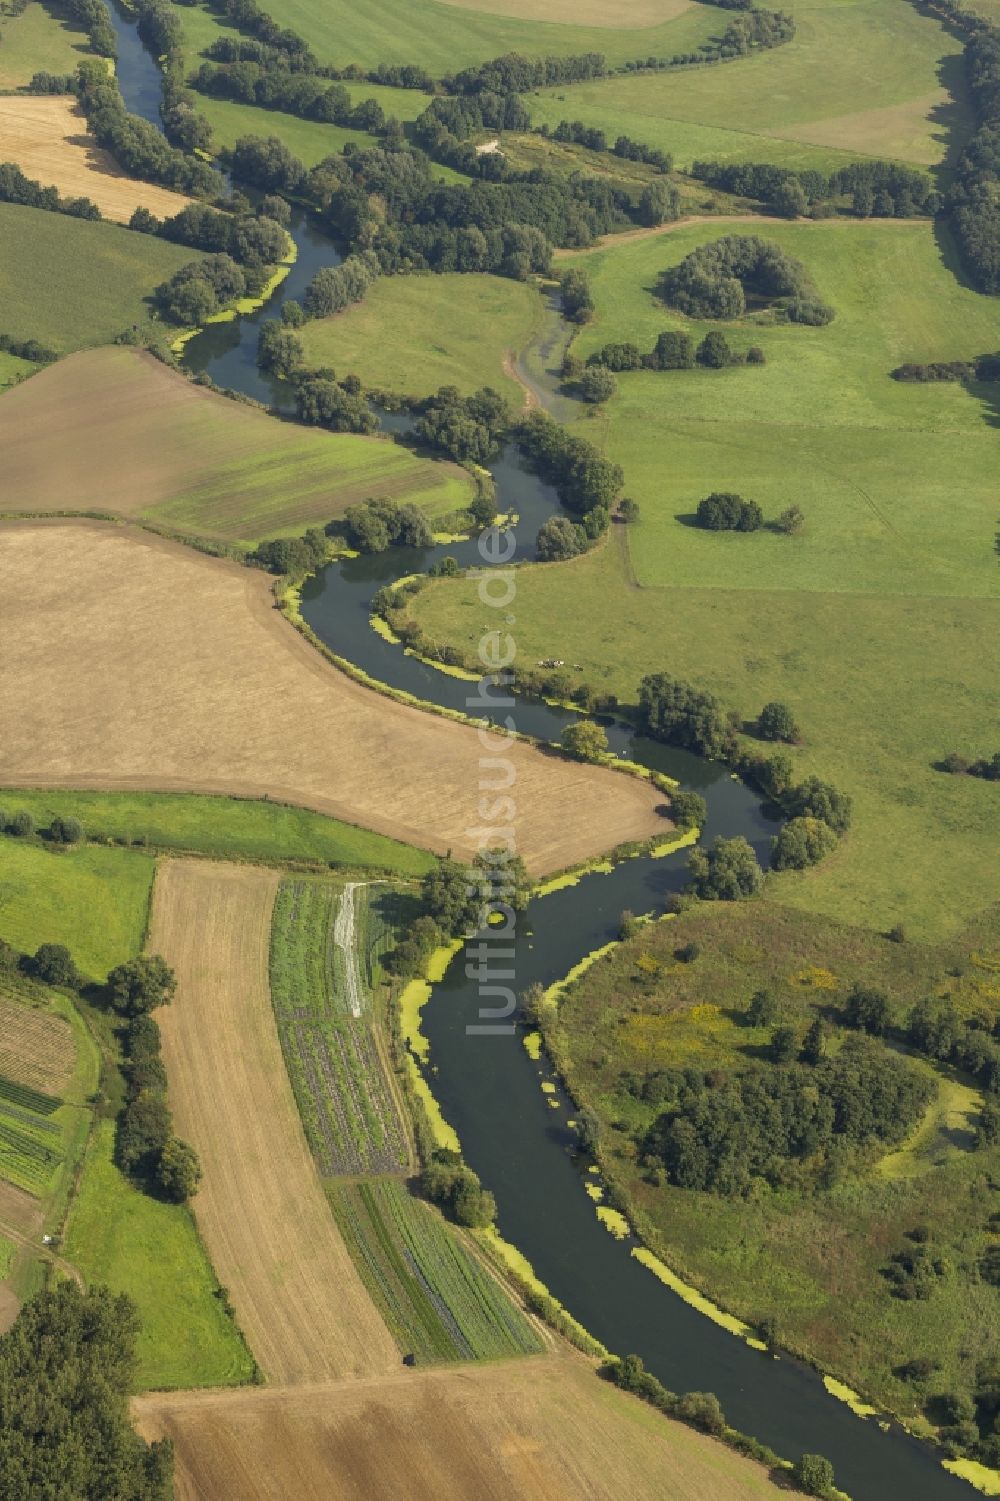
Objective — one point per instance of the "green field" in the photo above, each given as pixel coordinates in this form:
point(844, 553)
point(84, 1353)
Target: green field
point(237, 828)
point(70, 283)
point(866, 79)
point(812, 1261)
point(871, 622)
point(413, 334)
point(436, 1298)
point(309, 140)
point(91, 899)
point(348, 1109)
point(443, 38)
point(12, 369)
point(133, 1243)
point(40, 39)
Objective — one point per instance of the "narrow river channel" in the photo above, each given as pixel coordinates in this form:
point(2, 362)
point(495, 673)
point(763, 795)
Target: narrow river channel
point(487, 1086)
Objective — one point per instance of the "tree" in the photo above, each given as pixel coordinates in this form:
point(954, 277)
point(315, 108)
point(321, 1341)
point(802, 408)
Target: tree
point(703, 1410)
point(66, 830)
point(597, 384)
point(756, 355)
point(558, 540)
point(178, 1171)
point(789, 198)
point(816, 799)
point(483, 509)
point(728, 871)
point(763, 1009)
point(577, 303)
point(813, 1474)
point(680, 714)
point(722, 511)
point(658, 202)
point(673, 351)
point(23, 823)
point(868, 1009)
point(988, 1128)
point(53, 964)
point(628, 510)
point(714, 351)
point(802, 842)
point(812, 1043)
point(585, 740)
point(688, 810)
point(777, 722)
point(143, 222)
point(784, 1045)
point(140, 985)
point(144, 1128)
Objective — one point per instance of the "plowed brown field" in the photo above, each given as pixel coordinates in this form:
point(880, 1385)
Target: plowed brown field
point(261, 1208)
point(47, 137)
point(540, 1429)
point(130, 662)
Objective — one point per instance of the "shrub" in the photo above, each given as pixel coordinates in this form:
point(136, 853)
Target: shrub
point(813, 1474)
point(702, 1410)
point(688, 810)
point(628, 510)
point(784, 1045)
point(868, 1009)
point(790, 521)
point(66, 830)
point(23, 823)
point(674, 351)
point(762, 1010)
point(816, 799)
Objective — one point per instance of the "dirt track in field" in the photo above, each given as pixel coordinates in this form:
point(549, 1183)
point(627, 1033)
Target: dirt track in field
point(261, 1208)
point(47, 137)
point(132, 662)
point(538, 1429)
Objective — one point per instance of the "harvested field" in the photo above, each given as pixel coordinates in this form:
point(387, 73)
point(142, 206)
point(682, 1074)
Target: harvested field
point(134, 662)
point(36, 1047)
point(545, 1428)
point(261, 1209)
point(137, 439)
point(48, 139)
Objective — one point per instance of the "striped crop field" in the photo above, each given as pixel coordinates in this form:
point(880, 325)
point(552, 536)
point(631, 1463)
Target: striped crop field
point(438, 1301)
point(320, 989)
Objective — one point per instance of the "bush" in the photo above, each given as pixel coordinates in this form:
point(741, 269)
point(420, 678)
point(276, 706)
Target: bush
point(728, 871)
point(868, 1010)
point(456, 1188)
point(688, 810)
point(723, 511)
point(178, 1171)
point(777, 722)
point(596, 384)
point(66, 830)
point(585, 740)
point(23, 823)
point(714, 351)
point(813, 1474)
point(816, 799)
point(558, 540)
point(790, 521)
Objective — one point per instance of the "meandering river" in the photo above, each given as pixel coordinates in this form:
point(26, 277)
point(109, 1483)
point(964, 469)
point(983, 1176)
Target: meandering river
point(487, 1086)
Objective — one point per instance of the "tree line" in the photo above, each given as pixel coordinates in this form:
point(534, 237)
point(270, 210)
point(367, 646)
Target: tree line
point(673, 350)
point(16, 187)
point(713, 281)
point(877, 189)
point(136, 143)
point(975, 193)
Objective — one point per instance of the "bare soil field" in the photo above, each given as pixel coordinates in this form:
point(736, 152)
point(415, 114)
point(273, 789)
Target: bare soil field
point(544, 1428)
point(19, 1211)
point(133, 662)
point(36, 1047)
point(47, 137)
point(116, 431)
point(261, 1209)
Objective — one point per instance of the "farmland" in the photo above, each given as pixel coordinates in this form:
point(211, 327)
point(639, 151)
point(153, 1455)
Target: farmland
point(543, 1427)
point(815, 1261)
point(70, 283)
point(225, 827)
point(130, 645)
point(433, 1293)
point(40, 38)
point(261, 1209)
point(350, 1116)
point(47, 138)
point(36, 1048)
point(413, 334)
point(138, 439)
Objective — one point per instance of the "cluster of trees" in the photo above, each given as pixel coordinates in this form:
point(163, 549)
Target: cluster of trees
point(253, 240)
point(587, 484)
point(676, 712)
point(790, 1124)
point(200, 288)
point(883, 190)
point(334, 288)
point(444, 128)
point(728, 871)
point(294, 556)
point(579, 134)
point(67, 1370)
point(712, 281)
point(447, 1181)
point(936, 1028)
point(15, 187)
point(266, 163)
point(469, 429)
point(61, 830)
point(754, 28)
point(984, 367)
point(377, 524)
point(247, 16)
point(975, 195)
point(673, 350)
point(458, 898)
point(92, 17)
point(279, 349)
point(987, 767)
point(574, 290)
point(147, 1148)
point(514, 74)
point(161, 30)
point(135, 143)
point(27, 349)
point(270, 84)
point(323, 401)
point(723, 511)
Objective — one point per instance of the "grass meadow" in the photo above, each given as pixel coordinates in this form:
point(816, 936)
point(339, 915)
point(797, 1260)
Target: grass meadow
point(121, 1237)
point(12, 369)
point(812, 1262)
point(871, 622)
point(867, 79)
point(220, 827)
point(71, 283)
point(91, 899)
point(41, 38)
point(413, 334)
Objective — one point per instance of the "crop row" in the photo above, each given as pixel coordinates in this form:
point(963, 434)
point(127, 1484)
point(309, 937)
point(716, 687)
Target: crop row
point(37, 1047)
point(435, 1297)
point(31, 1099)
point(25, 1160)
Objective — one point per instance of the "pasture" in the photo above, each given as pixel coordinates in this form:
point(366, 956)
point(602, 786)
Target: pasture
point(70, 283)
point(434, 1294)
point(813, 1261)
point(868, 79)
point(47, 137)
point(309, 140)
point(224, 827)
point(260, 1209)
point(121, 1237)
point(13, 369)
point(93, 900)
point(137, 439)
point(544, 1427)
point(139, 664)
point(413, 334)
point(870, 623)
point(348, 1109)
point(41, 39)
